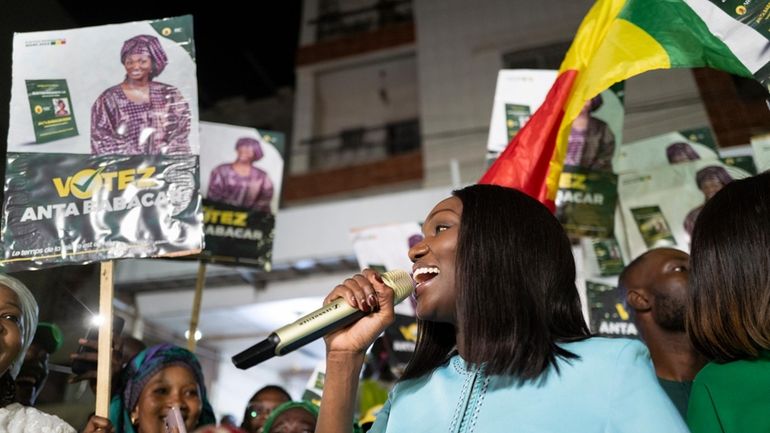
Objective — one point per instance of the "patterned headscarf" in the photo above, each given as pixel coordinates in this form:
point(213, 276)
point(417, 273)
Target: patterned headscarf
point(255, 147)
point(139, 372)
point(146, 44)
point(29, 318)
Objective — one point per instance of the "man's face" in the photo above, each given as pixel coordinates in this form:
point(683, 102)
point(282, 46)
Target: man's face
point(668, 272)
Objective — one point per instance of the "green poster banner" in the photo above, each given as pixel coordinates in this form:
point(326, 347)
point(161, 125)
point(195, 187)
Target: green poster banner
point(653, 226)
point(237, 236)
point(50, 106)
point(89, 208)
point(585, 202)
point(609, 317)
point(516, 116)
point(608, 256)
point(753, 13)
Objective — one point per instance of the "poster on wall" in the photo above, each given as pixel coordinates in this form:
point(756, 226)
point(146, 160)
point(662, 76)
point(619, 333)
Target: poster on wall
point(660, 205)
point(608, 314)
point(667, 149)
point(386, 247)
point(103, 145)
point(241, 174)
point(518, 94)
point(596, 135)
point(586, 201)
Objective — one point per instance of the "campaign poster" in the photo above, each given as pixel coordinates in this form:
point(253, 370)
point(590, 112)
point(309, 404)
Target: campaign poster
point(660, 205)
point(672, 148)
point(241, 175)
point(386, 247)
point(609, 316)
point(596, 134)
point(587, 195)
point(518, 94)
point(586, 201)
point(103, 145)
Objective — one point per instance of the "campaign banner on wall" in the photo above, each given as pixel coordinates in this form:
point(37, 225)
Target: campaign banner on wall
point(518, 94)
point(667, 149)
point(241, 175)
point(102, 145)
point(586, 201)
point(385, 247)
point(608, 314)
point(660, 205)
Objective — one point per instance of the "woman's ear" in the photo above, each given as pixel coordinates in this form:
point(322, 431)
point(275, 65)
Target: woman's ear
point(134, 416)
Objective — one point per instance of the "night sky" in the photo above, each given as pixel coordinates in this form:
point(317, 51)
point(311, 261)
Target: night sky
point(238, 53)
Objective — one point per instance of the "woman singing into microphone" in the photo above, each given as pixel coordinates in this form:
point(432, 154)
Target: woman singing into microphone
point(502, 343)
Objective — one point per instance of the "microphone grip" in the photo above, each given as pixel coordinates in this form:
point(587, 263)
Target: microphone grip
point(335, 315)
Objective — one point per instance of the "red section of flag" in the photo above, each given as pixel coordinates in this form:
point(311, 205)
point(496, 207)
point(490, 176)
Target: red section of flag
point(524, 163)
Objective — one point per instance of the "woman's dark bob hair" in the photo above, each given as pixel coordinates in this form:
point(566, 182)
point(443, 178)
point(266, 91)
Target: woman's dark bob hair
point(516, 294)
point(728, 314)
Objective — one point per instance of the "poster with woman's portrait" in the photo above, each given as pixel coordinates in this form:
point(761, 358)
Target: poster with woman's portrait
point(241, 173)
point(660, 205)
point(102, 145)
point(667, 149)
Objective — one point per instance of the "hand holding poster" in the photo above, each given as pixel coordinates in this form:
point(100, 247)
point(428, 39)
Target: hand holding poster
point(127, 188)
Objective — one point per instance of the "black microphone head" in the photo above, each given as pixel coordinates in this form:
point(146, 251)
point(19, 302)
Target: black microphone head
point(257, 353)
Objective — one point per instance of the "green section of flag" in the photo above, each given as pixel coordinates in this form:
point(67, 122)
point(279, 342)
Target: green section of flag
point(683, 34)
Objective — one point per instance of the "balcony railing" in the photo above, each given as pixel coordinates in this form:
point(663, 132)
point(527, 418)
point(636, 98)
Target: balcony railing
point(359, 145)
point(332, 24)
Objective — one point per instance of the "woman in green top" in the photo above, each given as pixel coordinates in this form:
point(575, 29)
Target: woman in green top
point(728, 318)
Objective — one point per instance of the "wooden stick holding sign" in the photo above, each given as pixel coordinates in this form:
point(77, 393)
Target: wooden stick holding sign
point(196, 309)
point(104, 363)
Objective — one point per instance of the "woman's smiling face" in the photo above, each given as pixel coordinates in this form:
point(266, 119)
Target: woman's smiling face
point(174, 385)
point(10, 328)
point(434, 263)
point(138, 66)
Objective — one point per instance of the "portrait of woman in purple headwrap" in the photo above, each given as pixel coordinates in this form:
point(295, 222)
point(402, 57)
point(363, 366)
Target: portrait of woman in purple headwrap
point(710, 180)
point(240, 183)
point(141, 116)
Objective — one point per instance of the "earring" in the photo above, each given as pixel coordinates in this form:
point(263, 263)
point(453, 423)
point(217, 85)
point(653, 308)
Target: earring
point(134, 419)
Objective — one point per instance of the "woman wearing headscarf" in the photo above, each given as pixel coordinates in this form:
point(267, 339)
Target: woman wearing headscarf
point(18, 321)
point(157, 379)
point(292, 417)
point(240, 183)
point(710, 180)
point(141, 116)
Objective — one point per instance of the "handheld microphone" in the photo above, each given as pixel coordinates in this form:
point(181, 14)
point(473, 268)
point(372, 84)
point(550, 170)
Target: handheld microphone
point(310, 327)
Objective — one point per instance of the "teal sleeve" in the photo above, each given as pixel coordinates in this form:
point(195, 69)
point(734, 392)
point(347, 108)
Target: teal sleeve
point(637, 403)
point(701, 413)
point(381, 423)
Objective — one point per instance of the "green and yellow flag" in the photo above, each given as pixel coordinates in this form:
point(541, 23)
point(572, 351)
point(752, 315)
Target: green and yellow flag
point(617, 40)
